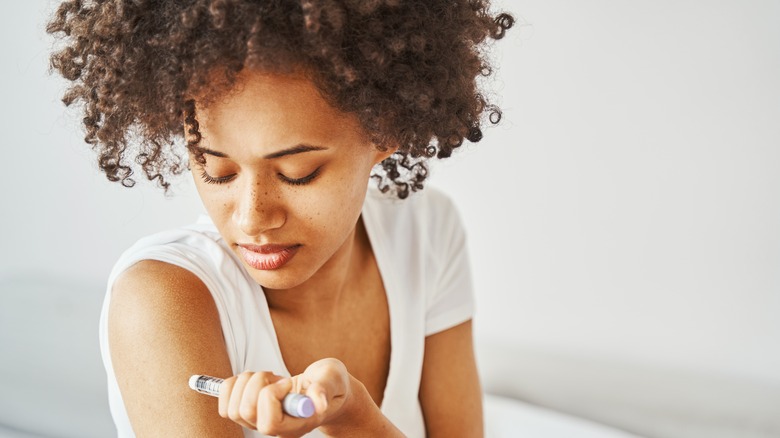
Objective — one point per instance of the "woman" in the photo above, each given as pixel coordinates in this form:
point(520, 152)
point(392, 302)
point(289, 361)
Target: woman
point(298, 280)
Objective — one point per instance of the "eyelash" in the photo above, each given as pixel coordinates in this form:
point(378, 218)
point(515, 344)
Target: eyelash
point(294, 182)
point(301, 181)
point(218, 180)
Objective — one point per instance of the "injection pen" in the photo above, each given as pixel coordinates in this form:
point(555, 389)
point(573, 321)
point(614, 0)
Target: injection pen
point(295, 405)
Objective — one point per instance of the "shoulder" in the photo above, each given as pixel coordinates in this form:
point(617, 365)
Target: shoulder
point(430, 197)
point(175, 280)
point(198, 249)
point(152, 281)
point(179, 277)
point(430, 211)
point(163, 327)
point(424, 231)
point(165, 268)
point(153, 296)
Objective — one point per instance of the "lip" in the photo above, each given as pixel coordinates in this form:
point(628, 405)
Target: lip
point(267, 257)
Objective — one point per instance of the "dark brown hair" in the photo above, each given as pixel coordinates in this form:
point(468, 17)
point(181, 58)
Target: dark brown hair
point(407, 69)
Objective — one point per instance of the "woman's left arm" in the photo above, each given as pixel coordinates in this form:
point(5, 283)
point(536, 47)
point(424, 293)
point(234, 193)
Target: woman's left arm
point(450, 393)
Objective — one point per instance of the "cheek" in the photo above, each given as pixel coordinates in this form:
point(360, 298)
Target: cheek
point(215, 201)
point(337, 204)
point(332, 206)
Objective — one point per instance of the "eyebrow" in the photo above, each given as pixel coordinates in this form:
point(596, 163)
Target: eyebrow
point(298, 149)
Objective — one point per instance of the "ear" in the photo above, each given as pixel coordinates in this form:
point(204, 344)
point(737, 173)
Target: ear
point(380, 155)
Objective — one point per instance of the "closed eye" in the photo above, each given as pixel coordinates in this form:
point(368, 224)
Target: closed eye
point(300, 181)
point(216, 180)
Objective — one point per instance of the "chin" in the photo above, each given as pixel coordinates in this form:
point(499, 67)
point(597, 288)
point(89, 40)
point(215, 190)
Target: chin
point(276, 279)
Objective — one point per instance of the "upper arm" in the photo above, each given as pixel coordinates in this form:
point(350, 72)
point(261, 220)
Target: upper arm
point(450, 393)
point(163, 327)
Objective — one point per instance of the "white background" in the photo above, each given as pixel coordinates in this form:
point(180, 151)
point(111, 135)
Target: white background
point(628, 206)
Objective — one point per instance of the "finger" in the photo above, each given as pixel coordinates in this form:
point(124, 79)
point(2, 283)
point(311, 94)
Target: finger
point(234, 403)
point(298, 383)
point(224, 395)
point(319, 395)
point(248, 404)
point(331, 374)
point(270, 416)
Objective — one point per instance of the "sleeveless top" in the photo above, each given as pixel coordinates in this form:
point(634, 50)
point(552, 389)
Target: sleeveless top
point(420, 249)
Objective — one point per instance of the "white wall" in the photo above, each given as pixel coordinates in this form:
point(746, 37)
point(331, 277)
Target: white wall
point(60, 212)
point(627, 207)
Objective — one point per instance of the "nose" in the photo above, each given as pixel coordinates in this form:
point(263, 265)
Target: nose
point(258, 210)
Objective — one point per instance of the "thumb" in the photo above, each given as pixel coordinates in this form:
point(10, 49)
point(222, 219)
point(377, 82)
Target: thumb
point(319, 395)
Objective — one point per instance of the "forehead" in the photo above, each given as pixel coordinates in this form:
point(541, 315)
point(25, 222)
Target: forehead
point(281, 109)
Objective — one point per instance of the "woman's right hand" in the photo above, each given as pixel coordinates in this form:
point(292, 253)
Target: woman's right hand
point(342, 404)
point(239, 396)
point(254, 399)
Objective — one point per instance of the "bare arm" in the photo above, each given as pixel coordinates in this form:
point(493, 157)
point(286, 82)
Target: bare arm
point(450, 393)
point(163, 327)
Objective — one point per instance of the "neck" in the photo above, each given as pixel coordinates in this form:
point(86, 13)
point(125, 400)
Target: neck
point(324, 295)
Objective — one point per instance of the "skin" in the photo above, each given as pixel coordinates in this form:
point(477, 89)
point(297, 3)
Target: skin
point(261, 186)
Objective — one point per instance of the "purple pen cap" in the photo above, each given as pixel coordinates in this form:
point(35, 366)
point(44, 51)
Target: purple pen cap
point(298, 405)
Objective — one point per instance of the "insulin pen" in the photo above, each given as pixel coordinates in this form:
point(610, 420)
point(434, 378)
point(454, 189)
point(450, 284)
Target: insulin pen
point(295, 405)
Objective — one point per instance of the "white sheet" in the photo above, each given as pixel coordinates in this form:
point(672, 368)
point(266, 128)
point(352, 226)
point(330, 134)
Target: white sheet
point(509, 418)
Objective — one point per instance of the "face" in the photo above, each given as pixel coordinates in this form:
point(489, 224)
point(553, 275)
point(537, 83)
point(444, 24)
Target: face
point(284, 178)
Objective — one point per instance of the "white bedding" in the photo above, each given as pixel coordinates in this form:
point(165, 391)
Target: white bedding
point(509, 418)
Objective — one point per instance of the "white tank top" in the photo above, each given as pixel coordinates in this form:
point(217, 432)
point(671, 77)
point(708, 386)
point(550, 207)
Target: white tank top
point(420, 249)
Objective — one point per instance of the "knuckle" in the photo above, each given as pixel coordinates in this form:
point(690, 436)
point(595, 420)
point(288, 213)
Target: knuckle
point(267, 429)
point(265, 377)
point(333, 363)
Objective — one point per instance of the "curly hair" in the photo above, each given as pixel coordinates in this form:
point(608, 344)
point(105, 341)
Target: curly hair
point(406, 69)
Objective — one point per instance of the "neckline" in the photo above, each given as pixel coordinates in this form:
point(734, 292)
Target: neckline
point(385, 272)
